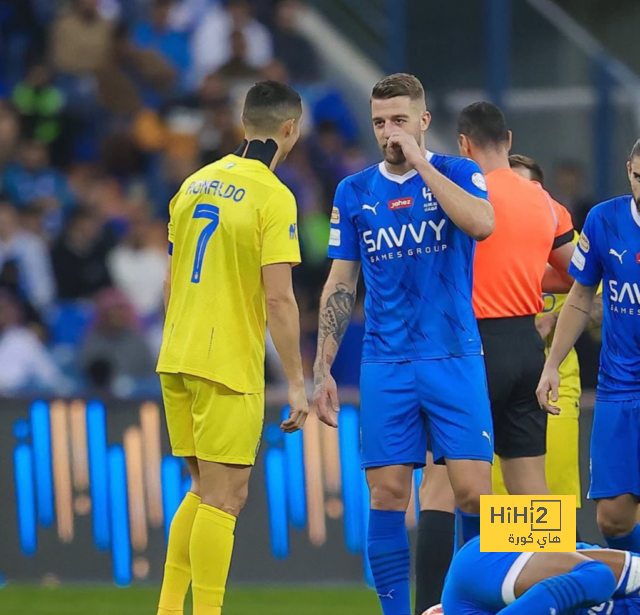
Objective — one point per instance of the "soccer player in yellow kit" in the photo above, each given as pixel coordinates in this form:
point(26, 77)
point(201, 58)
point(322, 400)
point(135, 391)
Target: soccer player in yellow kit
point(233, 240)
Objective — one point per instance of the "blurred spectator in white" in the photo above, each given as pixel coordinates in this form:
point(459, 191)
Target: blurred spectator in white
point(28, 256)
point(80, 39)
point(32, 180)
point(111, 10)
point(24, 360)
point(158, 34)
point(137, 265)
point(114, 347)
point(80, 256)
point(212, 43)
point(292, 47)
point(187, 14)
point(571, 188)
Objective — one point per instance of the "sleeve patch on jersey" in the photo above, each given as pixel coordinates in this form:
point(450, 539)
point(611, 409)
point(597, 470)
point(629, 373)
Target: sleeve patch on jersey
point(479, 181)
point(334, 237)
point(335, 216)
point(578, 259)
point(584, 243)
point(170, 250)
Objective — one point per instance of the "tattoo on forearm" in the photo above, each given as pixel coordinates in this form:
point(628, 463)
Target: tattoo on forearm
point(334, 320)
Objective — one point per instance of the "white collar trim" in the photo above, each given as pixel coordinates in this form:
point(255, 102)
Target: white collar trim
point(401, 179)
point(635, 214)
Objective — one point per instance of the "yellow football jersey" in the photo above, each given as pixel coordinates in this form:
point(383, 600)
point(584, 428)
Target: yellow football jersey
point(228, 220)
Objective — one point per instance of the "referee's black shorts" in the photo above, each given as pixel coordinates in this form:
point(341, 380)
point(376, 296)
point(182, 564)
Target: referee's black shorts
point(514, 358)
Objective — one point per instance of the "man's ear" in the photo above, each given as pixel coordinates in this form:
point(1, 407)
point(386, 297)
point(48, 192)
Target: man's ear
point(425, 121)
point(464, 146)
point(288, 127)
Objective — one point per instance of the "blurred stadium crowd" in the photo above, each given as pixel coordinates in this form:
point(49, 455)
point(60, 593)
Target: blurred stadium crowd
point(106, 107)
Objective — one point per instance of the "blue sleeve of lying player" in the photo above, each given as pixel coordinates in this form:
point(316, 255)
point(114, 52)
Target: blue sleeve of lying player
point(343, 236)
point(468, 175)
point(586, 264)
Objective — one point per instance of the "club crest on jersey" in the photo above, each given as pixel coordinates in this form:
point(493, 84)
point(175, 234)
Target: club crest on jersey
point(431, 203)
point(401, 203)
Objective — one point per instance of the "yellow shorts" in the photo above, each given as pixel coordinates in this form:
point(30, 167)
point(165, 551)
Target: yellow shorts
point(562, 463)
point(209, 421)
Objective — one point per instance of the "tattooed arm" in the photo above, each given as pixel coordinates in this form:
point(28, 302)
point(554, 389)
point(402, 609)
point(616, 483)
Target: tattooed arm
point(573, 319)
point(336, 305)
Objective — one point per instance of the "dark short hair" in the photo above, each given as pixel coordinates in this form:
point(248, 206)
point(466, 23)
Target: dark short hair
point(518, 160)
point(399, 84)
point(484, 124)
point(269, 104)
point(635, 152)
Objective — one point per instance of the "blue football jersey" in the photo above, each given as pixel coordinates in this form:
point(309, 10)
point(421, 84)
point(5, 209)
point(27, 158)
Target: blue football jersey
point(417, 264)
point(609, 250)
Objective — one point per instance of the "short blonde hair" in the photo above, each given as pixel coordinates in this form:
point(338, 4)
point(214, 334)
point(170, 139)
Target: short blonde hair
point(399, 84)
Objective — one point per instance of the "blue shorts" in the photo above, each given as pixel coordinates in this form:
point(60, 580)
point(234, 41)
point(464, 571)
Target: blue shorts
point(615, 449)
point(401, 402)
point(479, 583)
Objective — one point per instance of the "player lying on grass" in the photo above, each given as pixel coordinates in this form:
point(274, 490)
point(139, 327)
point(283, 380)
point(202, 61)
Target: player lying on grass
point(590, 581)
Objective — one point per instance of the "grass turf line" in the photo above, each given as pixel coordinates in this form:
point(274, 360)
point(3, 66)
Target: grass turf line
point(34, 600)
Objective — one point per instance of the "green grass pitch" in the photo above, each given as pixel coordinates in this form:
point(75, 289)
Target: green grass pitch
point(32, 600)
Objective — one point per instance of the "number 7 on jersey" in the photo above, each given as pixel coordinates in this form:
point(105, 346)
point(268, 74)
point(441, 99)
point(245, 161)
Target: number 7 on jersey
point(208, 212)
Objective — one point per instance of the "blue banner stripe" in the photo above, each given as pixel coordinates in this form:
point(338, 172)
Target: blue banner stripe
point(171, 477)
point(349, 440)
point(98, 474)
point(274, 464)
point(41, 439)
point(121, 544)
point(296, 486)
point(25, 498)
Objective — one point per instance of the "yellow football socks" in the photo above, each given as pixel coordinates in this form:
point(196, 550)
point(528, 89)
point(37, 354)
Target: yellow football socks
point(177, 569)
point(211, 548)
